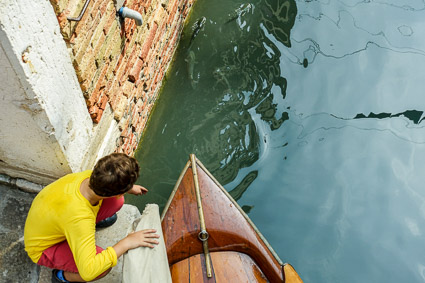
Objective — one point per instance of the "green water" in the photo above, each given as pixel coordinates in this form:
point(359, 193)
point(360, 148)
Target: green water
point(311, 114)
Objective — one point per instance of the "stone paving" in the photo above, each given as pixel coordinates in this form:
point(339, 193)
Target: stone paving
point(16, 266)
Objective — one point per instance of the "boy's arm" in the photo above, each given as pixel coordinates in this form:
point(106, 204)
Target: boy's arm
point(138, 190)
point(80, 234)
point(143, 238)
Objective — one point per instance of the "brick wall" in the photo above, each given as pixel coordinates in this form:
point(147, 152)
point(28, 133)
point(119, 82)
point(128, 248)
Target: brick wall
point(122, 64)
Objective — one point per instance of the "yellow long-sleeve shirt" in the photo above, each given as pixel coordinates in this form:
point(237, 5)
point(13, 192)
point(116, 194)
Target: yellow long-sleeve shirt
point(60, 212)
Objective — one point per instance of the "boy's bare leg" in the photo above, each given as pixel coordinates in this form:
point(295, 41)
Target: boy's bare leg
point(75, 277)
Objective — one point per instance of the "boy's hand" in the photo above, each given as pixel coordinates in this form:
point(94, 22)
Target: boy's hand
point(143, 238)
point(137, 190)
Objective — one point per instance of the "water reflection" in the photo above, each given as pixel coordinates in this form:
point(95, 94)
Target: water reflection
point(278, 17)
point(240, 189)
point(413, 115)
point(310, 113)
point(244, 74)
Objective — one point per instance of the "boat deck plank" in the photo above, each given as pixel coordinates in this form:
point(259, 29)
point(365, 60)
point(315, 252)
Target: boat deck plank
point(228, 267)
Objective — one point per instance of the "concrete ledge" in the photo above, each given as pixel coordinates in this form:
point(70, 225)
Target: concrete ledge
point(21, 184)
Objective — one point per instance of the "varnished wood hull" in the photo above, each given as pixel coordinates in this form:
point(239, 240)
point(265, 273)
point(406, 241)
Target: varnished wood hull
point(238, 252)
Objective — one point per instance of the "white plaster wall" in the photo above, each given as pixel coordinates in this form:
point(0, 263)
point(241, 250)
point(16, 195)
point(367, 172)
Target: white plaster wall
point(45, 128)
point(27, 138)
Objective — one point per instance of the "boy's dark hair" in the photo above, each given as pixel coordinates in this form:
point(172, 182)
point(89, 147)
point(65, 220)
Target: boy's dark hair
point(114, 174)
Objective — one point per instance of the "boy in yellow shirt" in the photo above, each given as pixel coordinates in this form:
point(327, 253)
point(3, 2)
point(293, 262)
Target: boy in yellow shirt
point(61, 224)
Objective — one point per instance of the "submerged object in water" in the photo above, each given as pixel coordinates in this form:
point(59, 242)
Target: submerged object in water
point(190, 59)
point(197, 26)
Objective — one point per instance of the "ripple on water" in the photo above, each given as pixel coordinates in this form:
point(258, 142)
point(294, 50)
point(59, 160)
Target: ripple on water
point(311, 115)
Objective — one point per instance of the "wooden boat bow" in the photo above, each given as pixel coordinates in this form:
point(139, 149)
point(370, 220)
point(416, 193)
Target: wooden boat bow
point(232, 236)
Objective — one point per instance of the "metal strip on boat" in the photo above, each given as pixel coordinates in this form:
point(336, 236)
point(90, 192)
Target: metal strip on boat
point(241, 211)
point(203, 235)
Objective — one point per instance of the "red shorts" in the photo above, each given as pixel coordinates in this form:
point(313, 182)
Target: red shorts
point(59, 256)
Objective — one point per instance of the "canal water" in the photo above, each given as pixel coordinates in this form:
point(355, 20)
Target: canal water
point(310, 113)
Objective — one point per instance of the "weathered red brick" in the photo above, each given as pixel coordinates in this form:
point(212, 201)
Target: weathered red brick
point(124, 130)
point(127, 88)
point(172, 13)
point(85, 20)
point(138, 91)
point(108, 24)
point(139, 125)
point(160, 16)
point(113, 94)
point(126, 148)
point(90, 102)
point(93, 111)
point(62, 18)
point(103, 101)
point(134, 115)
point(119, 71)
point(148, 3)
point(119, 62)
point(148, 43)
point(129, 28)
point(103, 6)
point(130, 63)
point(131, 139)
point(98, 116)
point(134, 74)
point(85, 84)
point(100, 83)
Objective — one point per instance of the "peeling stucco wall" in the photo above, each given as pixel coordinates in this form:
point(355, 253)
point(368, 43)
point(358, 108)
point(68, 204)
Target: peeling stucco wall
point(45, 129)
point(25, 131)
